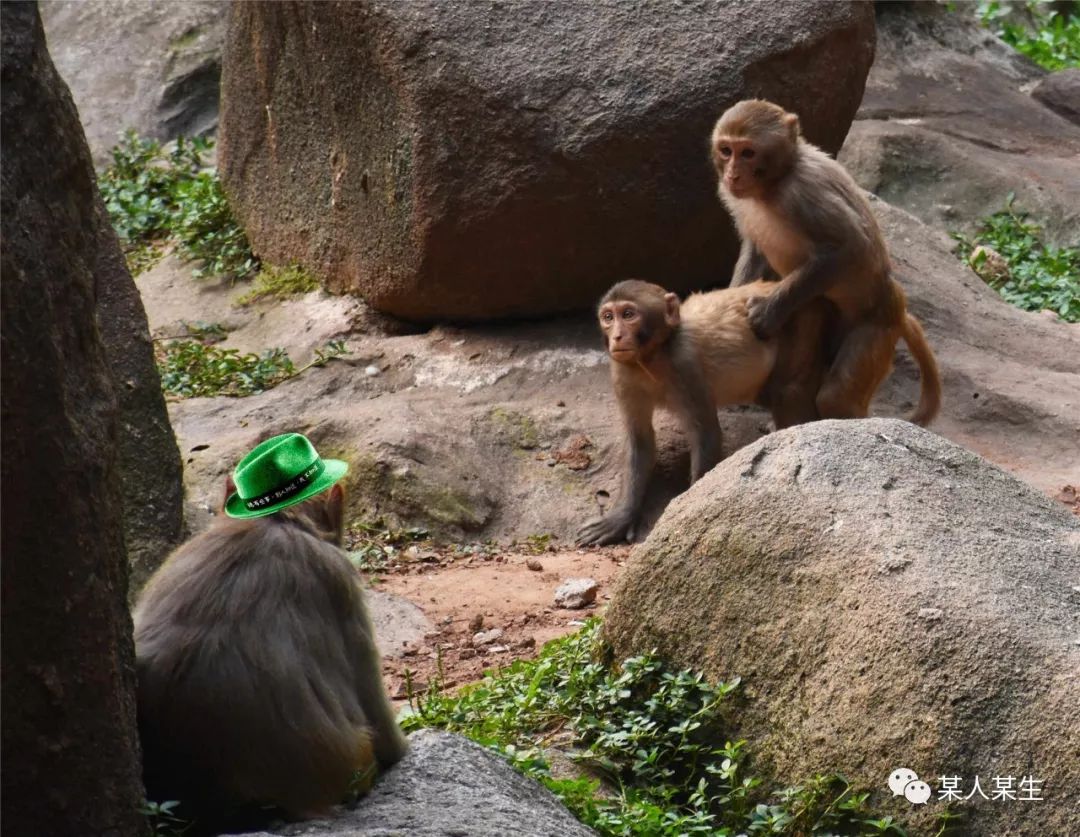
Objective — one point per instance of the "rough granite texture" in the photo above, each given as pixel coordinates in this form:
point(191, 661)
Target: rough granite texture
point(475, 160)
point(163, 68)
point(447, 786)
point(890, 600)
point(71, 755)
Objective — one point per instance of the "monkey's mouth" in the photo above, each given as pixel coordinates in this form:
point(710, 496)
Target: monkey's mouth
point(623, 355)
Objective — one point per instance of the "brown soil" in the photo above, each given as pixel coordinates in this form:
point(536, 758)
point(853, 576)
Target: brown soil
point(467, 594)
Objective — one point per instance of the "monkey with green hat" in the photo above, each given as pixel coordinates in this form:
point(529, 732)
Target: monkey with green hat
point(259, 683)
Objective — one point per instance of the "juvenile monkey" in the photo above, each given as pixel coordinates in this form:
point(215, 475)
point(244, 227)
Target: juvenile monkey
point(692, 358)
point(259, 682)
point(800, 216)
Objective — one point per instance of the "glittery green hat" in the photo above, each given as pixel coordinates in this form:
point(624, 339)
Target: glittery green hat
point(281, 472)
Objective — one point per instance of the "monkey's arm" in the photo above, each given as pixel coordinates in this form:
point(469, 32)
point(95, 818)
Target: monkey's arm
point(387, 738)
point(750, 266)
point(618, 524)
point(814, 278)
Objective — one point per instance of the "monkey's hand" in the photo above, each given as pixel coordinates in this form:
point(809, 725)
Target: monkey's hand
point(762, 317)
point(617, 527)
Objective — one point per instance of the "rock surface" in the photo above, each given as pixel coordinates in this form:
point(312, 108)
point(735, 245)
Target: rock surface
point(71, 756)
point(888, 598)
point(154, 67)
point(447, 785)
point(1060, 92)
point(465, 161)
point(947, 130)
point(458, 432)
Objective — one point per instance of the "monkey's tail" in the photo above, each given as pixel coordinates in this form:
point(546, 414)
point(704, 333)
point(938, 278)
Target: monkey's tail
point(930, 378)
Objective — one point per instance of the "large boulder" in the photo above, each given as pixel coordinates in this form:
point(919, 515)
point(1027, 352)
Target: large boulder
point(447, 785)
point(1060, 92)
point(153, 67)
point(71, 754)
point(890, 600)
point(468, 161)
point(947, 129)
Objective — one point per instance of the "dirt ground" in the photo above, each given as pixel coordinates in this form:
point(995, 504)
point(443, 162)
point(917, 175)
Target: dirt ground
point(487, 609)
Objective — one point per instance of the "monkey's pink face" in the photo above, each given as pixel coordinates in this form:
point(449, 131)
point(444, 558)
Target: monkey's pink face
point(741, 164)
point(624, 329)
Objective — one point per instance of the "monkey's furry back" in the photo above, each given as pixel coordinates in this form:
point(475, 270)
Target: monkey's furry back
point(244, 670)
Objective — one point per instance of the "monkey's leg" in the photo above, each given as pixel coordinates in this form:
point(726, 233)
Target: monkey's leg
point(862, 363)
point(801, 361)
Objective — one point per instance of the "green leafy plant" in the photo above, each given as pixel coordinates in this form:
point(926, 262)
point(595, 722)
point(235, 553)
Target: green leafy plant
point(279, 283)
point(191, 368)
point(646, 733)
point(156, 195)
point(162, 819)
point(1035, 276)
point(1053, 40)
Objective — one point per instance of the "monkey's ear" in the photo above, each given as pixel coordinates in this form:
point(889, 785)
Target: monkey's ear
point(672, 315)
point(335, 507)
point(792, 122)
point(230, 489)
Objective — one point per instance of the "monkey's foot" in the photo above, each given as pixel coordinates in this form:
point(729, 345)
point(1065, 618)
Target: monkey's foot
point(615, 528)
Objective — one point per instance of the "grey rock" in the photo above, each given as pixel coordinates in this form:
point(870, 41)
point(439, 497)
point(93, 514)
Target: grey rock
point(447, 786)
point(1060, 92)
point(68, 724)
point(154, 67)
point(463, 161)
point(576, 593)
point(947, 131)
point(487, 637)
point(780, 546)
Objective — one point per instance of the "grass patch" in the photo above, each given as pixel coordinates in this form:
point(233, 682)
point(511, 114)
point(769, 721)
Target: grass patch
point(1051, 41)
point(157, 196)
point(279, 283)
point(647, 735)
point(191, 368)
point(1033, 276)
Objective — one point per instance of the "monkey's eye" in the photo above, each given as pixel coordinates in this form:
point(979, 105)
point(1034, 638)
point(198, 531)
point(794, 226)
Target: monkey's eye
point(725, 151)
point(747, 154)
point(606, 317)
point(629, 314)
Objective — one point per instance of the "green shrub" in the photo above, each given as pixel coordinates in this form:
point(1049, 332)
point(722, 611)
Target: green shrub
point(155, 196)
point(1053, 43)
point(648, 732)
point(1039, 276)
point(191, 368)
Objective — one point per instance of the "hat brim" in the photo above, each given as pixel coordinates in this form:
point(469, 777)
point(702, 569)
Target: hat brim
point(335, 470)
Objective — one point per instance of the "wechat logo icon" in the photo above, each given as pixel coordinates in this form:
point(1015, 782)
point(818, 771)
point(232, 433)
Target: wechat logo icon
point(906, 783)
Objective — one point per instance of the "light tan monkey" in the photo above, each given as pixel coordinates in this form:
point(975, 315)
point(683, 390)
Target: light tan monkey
point(692, 358)
point(800, 216)
point(259, 682)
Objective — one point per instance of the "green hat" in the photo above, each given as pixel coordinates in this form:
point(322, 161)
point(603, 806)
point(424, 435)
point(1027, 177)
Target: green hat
point(281, 472)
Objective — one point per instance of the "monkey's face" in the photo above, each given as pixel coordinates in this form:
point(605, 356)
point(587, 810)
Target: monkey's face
point(743, 165)
point(634, 328)
point(753, 146)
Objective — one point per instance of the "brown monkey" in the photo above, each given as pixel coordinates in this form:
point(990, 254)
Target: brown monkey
point(693, 358)
point(259, 682)
point(800, 216)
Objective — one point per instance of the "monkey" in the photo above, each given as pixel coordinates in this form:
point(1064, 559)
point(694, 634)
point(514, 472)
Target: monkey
point(258, 680)
point(693, 358)
point(804, 223)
